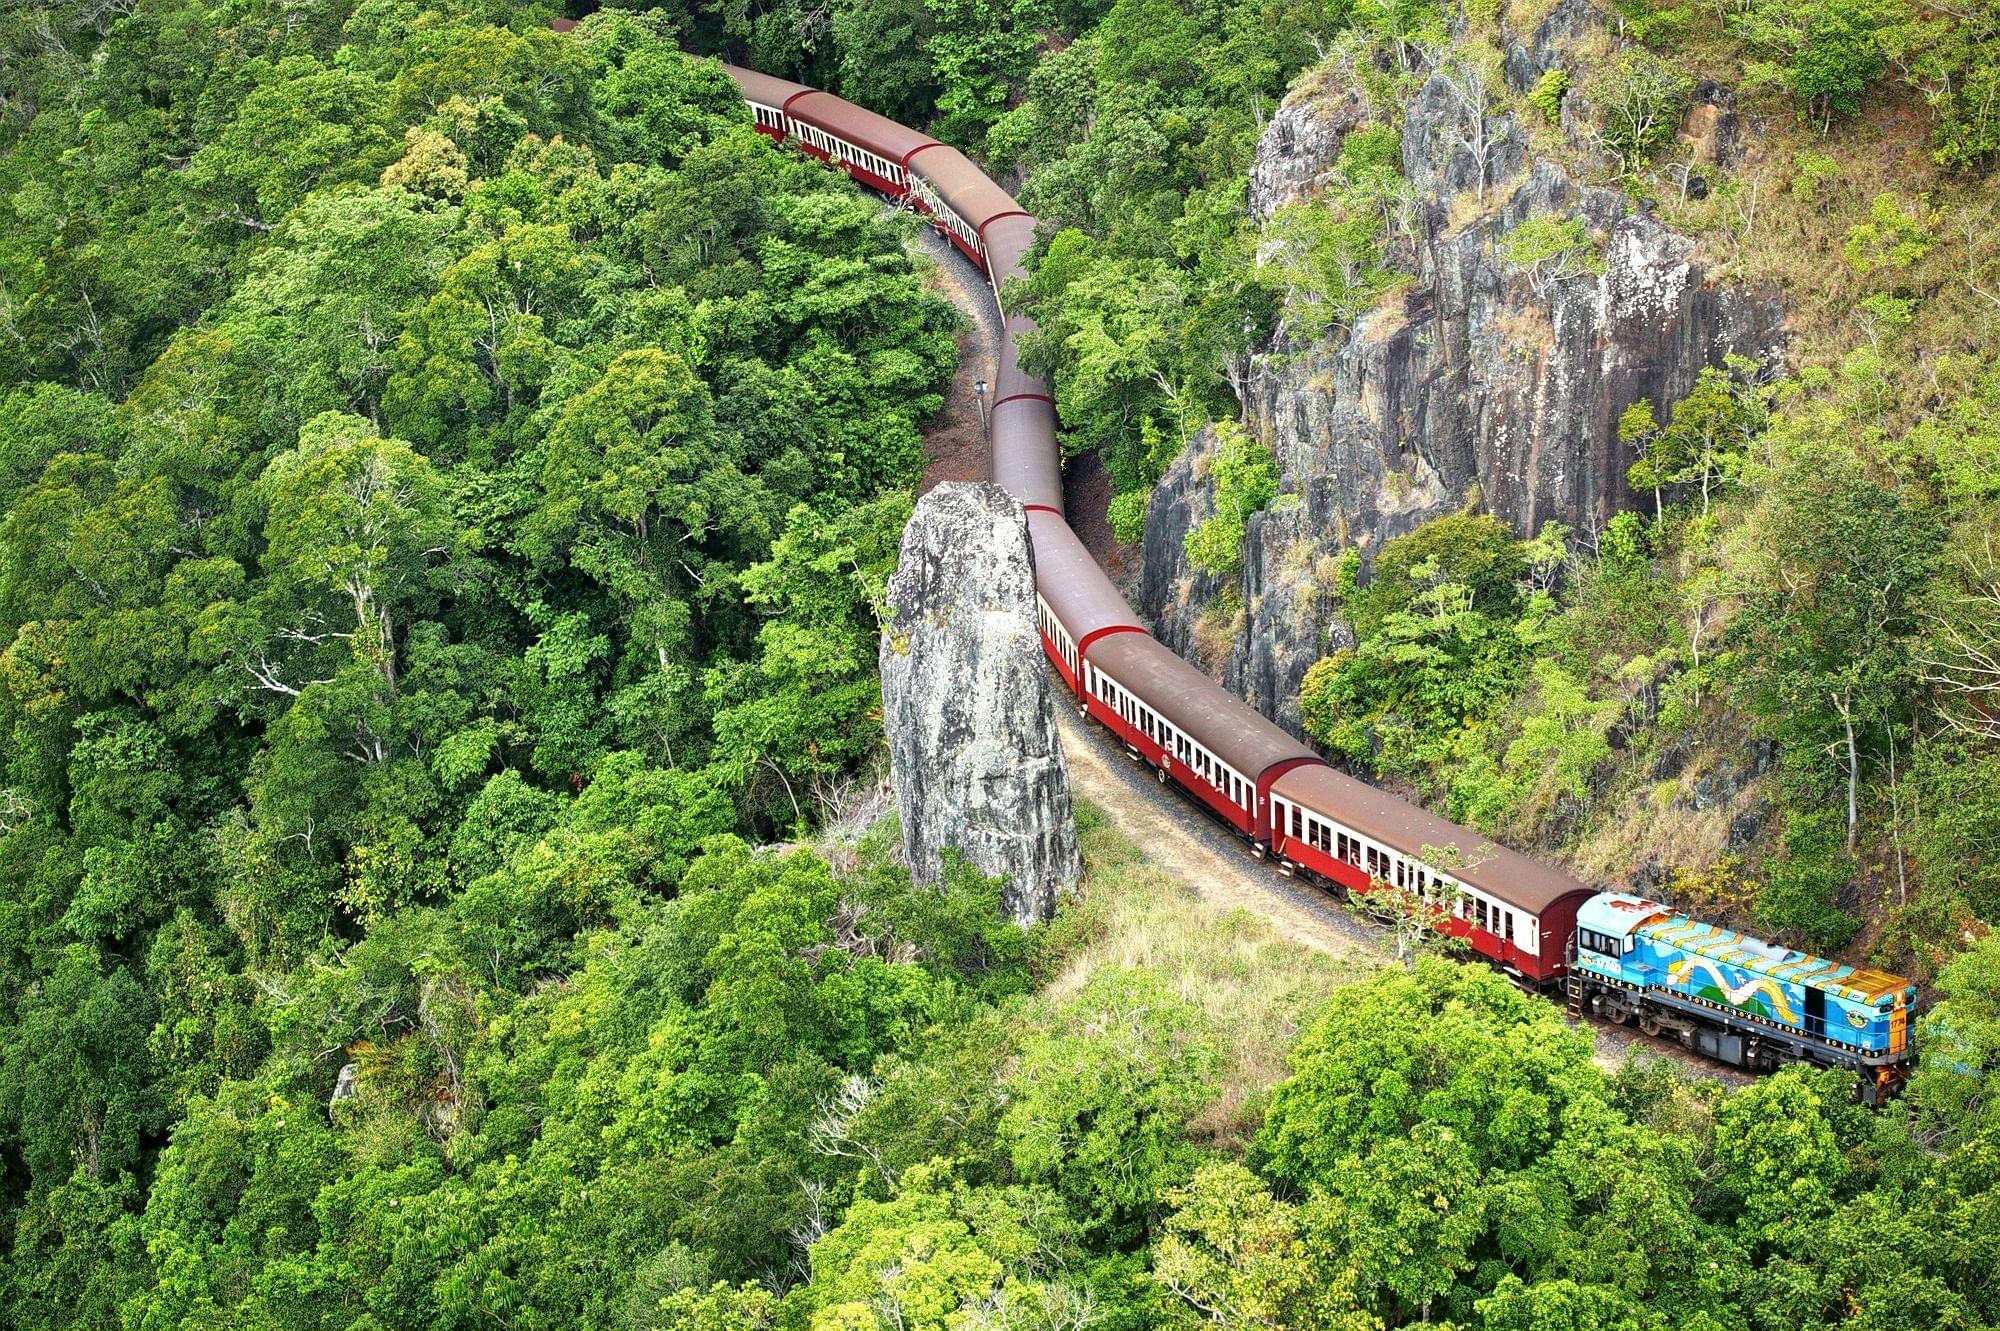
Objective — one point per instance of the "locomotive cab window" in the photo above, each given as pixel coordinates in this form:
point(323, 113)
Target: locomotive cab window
point(1592, 941)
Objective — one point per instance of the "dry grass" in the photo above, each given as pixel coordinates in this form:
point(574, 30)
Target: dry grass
point(1644, 817)
point(1390, 314)
point(1525, 331)
point(1216, 630)
point(1255, 988)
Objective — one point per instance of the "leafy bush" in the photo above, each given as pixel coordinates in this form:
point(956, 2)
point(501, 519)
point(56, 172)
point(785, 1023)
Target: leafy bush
point(1552, 250)
point(1127, 515)
point(1548, 93)
point(1825, 54)
point(1243, 478)
point(1639, 99)
point(1441, 642)
point(1802, 886)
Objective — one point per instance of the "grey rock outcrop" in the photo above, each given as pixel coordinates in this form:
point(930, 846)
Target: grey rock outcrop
point(1481, 381)
point(346, 1086)
point(1292, 162)
point(973, 745)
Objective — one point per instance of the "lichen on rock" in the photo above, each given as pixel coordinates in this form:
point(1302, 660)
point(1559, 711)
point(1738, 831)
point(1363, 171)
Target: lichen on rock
point(973, 744)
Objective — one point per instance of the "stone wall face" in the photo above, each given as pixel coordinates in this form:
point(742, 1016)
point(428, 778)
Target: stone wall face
point(1479, 380)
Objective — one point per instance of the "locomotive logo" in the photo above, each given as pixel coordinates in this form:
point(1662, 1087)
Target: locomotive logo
point(1682, 973)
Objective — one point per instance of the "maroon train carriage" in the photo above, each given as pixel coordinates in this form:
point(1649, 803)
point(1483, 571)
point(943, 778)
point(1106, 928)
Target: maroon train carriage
point(1026, 463)
point(1075, 603)
point(873, 149)
point(1265, 784)
point(1507, 907)
point(1010, 381)
point(946, 182)
point(1008, 238)
point(894, 160)
point(1188, 727)
point(768, 98)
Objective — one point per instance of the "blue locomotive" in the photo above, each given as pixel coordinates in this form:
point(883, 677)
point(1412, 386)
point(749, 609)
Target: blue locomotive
point(1736, 998)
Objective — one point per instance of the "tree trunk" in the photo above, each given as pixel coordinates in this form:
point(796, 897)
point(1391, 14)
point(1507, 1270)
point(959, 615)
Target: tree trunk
point(1896, 824)
point(1853, 775)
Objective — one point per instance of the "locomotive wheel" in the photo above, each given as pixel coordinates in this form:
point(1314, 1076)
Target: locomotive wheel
point(1650, 1024)
point(1618, 1016)
point(1161, 773)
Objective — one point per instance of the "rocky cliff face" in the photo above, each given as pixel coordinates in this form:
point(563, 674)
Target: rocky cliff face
point(973, 744)
point(1480, 380)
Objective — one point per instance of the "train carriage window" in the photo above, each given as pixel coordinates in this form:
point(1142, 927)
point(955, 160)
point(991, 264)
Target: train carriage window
point(1295, 820)
point(1479, 905)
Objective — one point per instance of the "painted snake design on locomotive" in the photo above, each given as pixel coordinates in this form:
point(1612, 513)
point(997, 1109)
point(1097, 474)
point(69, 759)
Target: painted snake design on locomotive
point(1746, 1002)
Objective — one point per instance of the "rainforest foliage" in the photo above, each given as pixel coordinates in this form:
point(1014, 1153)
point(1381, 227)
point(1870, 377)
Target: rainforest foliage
point(446, 471)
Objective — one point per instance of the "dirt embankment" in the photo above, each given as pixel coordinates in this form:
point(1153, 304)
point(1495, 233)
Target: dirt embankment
point(955, 439)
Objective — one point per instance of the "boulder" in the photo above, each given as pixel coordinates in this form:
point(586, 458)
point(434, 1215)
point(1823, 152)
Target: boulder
point(968, 706)
point(345, 1087)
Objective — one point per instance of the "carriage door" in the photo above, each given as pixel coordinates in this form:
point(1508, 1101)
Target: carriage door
point(1816, 1012)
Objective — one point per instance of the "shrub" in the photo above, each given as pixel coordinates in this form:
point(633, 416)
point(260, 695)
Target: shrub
point(1552, 250)
point(1640, 99)
point(1547, 94)
point(1127, 515)
point(1244, 475)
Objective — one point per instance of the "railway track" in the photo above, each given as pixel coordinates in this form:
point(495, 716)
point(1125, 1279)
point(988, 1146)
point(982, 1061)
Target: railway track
point(1735, 998)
